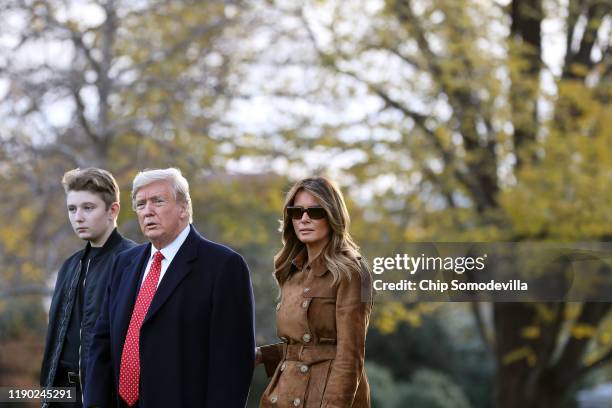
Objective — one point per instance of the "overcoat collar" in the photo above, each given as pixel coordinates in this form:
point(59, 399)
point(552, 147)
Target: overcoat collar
point(177, 270)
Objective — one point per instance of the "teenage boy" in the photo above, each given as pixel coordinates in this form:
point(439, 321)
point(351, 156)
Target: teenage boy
point(92, 200)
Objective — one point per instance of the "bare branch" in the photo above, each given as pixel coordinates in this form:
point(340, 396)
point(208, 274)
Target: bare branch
point(80, 105)
point(194, 33)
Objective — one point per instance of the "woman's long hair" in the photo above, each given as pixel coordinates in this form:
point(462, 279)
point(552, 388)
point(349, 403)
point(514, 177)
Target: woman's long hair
point(341, 255)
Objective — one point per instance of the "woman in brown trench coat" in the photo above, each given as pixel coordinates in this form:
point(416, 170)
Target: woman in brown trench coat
point(324, 306)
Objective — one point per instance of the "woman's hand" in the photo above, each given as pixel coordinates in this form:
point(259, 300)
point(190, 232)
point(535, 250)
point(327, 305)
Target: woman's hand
point(258, 357)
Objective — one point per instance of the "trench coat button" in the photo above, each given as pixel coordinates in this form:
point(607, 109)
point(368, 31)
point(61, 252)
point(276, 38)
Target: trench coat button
point(306, 290)
point(304, 368)
point(278, 305)
point(283, 366)
point(306, 337)
point(296, 402)
point(305, 304)
point(273, 399)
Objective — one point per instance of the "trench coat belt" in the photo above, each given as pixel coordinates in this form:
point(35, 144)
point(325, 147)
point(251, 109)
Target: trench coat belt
point(309, 354)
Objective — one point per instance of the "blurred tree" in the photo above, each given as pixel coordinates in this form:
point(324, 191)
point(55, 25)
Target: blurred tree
point(460, 126)
point(383, 387)
point(443, 117)
point(428, 389)
point(117, 84)
point(242, 211)
point(431, 345)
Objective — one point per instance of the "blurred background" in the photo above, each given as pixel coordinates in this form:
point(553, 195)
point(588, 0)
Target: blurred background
point(442, 120)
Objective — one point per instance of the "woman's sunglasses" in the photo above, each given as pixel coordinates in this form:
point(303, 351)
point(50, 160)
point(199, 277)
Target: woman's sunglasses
point(315, 213)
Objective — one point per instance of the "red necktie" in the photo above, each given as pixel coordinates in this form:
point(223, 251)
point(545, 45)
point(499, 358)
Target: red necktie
point(129, 374)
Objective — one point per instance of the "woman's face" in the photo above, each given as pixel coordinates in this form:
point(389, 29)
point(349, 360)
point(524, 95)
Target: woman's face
point(309, 231)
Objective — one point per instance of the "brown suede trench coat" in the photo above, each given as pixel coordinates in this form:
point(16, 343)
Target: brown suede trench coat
point(320, 363)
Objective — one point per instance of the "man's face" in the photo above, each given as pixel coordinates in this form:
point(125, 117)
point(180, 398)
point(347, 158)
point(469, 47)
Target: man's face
point(160, 216)
point(89, 217)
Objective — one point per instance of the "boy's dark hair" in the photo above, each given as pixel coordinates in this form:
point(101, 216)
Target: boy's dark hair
point(94, 180)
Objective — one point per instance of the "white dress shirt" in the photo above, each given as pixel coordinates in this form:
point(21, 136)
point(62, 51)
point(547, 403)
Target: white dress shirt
point(169, 252)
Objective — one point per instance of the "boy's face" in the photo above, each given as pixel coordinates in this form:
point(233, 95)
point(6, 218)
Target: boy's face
point(89, 217)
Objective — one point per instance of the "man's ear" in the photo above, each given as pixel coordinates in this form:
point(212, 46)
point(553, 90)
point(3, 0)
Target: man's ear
point(184, 211)
point(114, 210)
